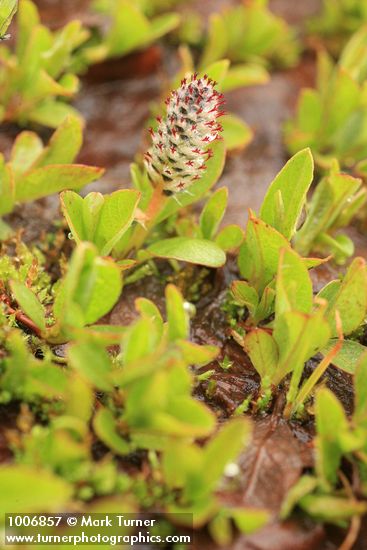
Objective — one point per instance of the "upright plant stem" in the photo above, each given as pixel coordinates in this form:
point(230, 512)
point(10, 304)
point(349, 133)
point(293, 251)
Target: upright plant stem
point(320, 369)
point(156, 204)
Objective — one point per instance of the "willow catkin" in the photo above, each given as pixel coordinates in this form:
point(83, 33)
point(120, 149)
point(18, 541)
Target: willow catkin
point(180, 150)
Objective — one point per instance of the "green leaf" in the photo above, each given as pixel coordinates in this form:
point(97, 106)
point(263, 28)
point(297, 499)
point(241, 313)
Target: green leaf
point(249, 520)
point(224, 448)
point(104, 426)
point(349, 355)
point(213, 213)
point(25, 152)
point(298, 336)
point(263, 352)
point(177, 317)
point(148, 309)
point(195, 251)
point(248, 74)
point(217, 70)
point(329, 415)
point(32, 490)
point(332, 509)
point(289, 189)
point(91, 288)
point(245, 295)
point(348, 297)
point(81, 214)
point(216, 46)
point(259, 254)
point(293, 285)
point(52, 113)
point(7, 188)
point(92, 362)
point(197, 355)
point(230, 238)
point(140, 340)
point(29, 303)
point(236, 133)
point(8, 9)
point(162, 25)
point(64, 144)
point(53, 179)
point(186, 417)
point(304, 486)
point(115, 217)
point(331, 196)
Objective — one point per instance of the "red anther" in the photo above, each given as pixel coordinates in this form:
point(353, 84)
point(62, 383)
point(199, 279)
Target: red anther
point(160, 133)
point(205, 77)
point(171, 119)
point(202, 167)
point(206, 139)
point(173, 149)
point(197, 151)
point(183, 82)
point(174, 132)
point(151, 131)
point(220, 103)
point(181, 185)
point(210, 124)
point(197, 177)
point(189, 163)
point(159, 119)
point(199, 111)
point(210, 153)
point(160, 145)
point(193, 127)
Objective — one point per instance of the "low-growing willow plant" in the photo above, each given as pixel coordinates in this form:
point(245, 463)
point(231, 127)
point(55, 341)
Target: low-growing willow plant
point(305, 325)
point(327, 495)
point(276, 281)
point(145, 403)
point(337, 21)
point(89, 290)
point(157, 411)
point(250, 32)
point(36, 79)
point(280, 225)
point(332, 119)
point(185, 160)
point(130, 29)
point(35, 171)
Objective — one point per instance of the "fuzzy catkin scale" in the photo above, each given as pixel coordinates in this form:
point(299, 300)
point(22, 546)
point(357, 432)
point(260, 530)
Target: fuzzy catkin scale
point(180, 150)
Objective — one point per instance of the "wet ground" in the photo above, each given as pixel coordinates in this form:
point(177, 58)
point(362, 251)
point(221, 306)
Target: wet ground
point(115, 100)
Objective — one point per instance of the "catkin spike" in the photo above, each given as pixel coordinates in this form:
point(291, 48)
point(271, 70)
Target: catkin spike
point(178, 155)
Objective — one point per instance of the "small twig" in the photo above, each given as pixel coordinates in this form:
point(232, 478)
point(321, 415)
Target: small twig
point(20, 316)
point(321, 367)
point(355, 524)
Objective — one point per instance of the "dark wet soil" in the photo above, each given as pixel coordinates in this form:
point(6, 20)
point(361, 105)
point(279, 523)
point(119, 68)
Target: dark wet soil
point(115, 100)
